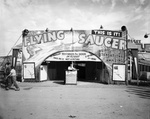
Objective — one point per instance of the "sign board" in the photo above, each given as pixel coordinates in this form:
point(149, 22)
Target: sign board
point(107, 45)
point(107, 33)
point(118, 72)
point(82, 45)
point(147, 47)
point(73, 56)
point(29, 70)
point(134, 41)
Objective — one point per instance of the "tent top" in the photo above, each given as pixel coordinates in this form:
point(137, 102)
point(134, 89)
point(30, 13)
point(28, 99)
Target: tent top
point(144, 58)
point(132, 45)
point(19, 46)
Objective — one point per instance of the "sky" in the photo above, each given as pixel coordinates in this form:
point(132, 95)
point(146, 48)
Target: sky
point(17, 15)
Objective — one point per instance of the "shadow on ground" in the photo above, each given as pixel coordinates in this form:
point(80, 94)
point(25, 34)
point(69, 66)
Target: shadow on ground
point(92, 81)
point(27, 88)
point(141, 91)
point(141, 83)
point(59, 82)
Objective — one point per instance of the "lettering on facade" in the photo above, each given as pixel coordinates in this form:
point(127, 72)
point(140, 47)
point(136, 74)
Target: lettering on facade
point(107, 33)
point(95, 38)
point(74, 56)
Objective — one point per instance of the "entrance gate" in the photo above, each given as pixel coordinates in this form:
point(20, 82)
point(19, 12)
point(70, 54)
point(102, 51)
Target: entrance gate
point(89, 66)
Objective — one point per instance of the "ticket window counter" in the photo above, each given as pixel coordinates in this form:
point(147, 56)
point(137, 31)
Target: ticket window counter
point(71, 75)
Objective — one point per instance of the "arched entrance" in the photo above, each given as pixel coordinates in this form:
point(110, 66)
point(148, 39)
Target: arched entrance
point(90, 67)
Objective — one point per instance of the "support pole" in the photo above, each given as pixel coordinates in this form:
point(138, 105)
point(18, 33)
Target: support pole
point(130, 68)
point(136, 67)
point(72, 38)
point(126, 60)
point(124, 29)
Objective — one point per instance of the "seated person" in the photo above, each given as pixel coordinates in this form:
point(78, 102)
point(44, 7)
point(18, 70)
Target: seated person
point(71, 67)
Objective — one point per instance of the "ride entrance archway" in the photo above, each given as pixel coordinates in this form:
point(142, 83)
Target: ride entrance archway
point(89, 66)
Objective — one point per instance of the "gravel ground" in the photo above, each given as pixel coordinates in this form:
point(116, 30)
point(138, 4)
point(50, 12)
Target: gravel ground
point(86, 100)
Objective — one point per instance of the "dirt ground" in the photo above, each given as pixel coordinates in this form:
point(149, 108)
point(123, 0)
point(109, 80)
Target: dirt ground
point(86, 100)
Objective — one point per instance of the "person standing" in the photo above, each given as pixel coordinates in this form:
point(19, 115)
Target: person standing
point(8, 81)
point(13, 76)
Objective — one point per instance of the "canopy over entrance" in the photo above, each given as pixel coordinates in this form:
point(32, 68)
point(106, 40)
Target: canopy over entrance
point(73, 56)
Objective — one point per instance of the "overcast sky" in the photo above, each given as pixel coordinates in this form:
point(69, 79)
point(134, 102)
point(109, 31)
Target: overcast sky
point(17, 15)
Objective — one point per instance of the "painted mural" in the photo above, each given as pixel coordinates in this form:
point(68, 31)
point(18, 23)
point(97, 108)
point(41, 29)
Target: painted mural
point(107, 45)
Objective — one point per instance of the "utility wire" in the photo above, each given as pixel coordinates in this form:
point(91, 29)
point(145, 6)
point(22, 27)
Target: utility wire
point(131, 37)
point(11, 49)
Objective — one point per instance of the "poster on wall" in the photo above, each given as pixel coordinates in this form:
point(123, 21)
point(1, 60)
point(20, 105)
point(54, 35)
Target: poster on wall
point(29, 70)
point(118, 72)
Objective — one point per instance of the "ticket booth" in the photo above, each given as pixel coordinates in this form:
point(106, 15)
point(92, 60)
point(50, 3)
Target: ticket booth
point(71, 75)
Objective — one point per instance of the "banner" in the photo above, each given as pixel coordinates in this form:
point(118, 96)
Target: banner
point(14, 57)
point(73, 56)
point(135, 57)
point(106, 45)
